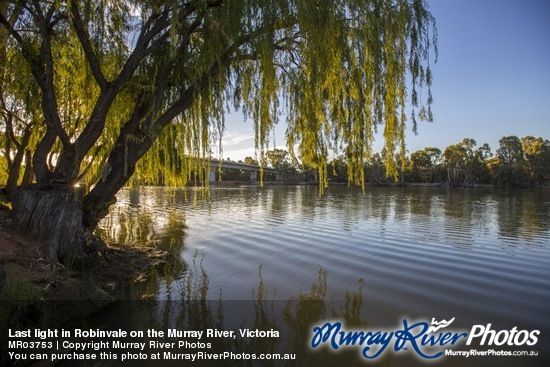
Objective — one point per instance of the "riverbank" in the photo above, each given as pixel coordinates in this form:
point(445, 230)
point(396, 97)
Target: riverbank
point(26, 277)
point(369, 184)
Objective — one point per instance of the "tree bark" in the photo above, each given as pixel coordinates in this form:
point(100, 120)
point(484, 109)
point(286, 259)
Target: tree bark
point(13, 177)
point(52, 216)
point(121, 165)
point(28, 174)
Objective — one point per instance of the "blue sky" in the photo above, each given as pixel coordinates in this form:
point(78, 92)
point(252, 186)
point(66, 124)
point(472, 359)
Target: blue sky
point(492, 78)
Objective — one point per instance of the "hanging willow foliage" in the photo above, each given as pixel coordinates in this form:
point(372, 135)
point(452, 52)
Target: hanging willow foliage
point(156, 77)
point(339, 67)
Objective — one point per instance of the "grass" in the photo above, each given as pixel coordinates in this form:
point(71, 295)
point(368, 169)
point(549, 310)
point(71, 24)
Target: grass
point(21, 292)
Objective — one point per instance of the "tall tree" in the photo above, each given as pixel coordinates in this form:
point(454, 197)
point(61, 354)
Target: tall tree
point(160, 75)
point(455, 157)
point(510, 168)
point(510, 150)
point(537, 156)
point(423, 163)
point(286, 166)
point(480, 161)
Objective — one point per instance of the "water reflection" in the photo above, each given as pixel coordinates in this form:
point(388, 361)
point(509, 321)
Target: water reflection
point(523, 216)
point(292, 320)
point(245, 221)
point(477, 254)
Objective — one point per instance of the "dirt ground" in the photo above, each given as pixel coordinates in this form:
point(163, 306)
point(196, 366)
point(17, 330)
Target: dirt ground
point(22, 260)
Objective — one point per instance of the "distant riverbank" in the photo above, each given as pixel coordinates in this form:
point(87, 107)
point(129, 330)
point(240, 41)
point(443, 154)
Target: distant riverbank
point(392, 184)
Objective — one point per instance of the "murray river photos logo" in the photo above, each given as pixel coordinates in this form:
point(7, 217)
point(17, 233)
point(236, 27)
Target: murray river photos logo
point(427, 340)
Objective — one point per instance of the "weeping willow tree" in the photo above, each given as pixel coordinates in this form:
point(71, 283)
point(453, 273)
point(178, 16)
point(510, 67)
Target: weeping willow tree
point(141, 86)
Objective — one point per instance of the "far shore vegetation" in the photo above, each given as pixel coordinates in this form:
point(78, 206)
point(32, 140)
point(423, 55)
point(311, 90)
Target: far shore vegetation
point(516, 163)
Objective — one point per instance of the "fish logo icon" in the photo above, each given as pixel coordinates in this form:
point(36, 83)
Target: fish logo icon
point(435, 326)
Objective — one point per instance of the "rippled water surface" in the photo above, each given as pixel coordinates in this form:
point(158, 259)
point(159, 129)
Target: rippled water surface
point(482, 255)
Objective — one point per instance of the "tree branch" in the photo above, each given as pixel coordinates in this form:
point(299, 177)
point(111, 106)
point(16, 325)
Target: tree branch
point(184, 102)
point(141, 49)
point(39, 160)
point(25, 49)
point(87, 46)
point(43, 70)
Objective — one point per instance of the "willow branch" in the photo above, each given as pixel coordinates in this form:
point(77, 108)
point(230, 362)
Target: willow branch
point(87, 46)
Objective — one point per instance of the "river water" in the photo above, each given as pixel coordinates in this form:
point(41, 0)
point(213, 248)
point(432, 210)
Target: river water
point(480, 255)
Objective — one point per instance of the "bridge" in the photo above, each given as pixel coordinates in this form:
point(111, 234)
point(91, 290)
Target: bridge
point(252, 168)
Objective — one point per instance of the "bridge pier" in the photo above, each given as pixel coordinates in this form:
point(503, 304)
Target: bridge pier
point(212, 174)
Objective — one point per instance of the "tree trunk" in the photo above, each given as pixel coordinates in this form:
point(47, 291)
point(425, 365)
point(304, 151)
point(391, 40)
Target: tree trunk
point(52, 216)
point(13, 176)
point(103, 195)
point(28, 174)
point(120, 166)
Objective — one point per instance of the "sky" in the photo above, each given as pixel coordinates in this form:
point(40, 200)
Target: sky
point(492, 78)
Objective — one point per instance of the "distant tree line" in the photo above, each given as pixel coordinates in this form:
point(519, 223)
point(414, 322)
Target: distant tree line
point(518, 162)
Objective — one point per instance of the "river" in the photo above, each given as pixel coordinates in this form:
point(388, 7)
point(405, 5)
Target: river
point(479, 255)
